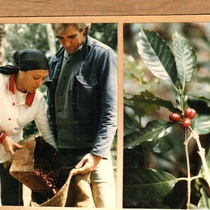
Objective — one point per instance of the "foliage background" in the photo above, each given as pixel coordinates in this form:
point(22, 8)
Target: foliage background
point(137, 79)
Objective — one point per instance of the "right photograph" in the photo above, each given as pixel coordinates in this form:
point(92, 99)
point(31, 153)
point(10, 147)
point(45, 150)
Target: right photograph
point(166, 115)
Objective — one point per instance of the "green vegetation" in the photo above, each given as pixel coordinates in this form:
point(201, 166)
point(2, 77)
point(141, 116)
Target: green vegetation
point(166, 162)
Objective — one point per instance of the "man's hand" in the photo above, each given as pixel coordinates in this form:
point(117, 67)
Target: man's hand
point(87, 164)
point(9, 145)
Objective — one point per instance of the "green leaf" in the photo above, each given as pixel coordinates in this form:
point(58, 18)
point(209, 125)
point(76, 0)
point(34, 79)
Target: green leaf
point(157, 55)
point(151, 99)
point(162, 145)
point(132, 69)
point(185, 57)
point(141, 107)
point(129, 126)
point(204, 201)
point(154, 130)
point(200, 94)
point(202, 124)
point(201, 172)
point(142, 184)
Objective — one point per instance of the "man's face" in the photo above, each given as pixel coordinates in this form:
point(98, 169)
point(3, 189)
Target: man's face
point(71, 39)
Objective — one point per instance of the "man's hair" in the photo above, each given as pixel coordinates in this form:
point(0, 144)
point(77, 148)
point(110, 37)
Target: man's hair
point(60, 28)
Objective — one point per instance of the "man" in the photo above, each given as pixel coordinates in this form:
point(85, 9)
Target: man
point(83, 106)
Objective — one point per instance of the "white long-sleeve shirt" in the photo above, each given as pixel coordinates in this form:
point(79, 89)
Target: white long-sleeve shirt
point(17, 109)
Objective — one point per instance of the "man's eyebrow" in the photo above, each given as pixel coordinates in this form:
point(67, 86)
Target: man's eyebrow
point(70, 36)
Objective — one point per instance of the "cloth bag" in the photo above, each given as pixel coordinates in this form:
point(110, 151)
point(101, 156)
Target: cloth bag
point(76, 192)
point(73, 191)
point(35, 154)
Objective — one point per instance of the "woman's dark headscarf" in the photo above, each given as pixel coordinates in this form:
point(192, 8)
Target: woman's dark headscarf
point(26, 60)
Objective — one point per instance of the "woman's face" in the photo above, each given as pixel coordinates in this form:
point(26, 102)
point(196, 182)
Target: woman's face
point(30, 80)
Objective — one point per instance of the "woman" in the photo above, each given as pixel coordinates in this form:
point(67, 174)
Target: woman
point(20, 104)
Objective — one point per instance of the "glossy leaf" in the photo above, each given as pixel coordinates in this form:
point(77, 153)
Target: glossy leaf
point(205, 192)
point(129, 126)
point(204, 201)
point(200, 94)
point(142, 184)
point(202, 124)
point(202, 174)
point(151, 99)
point(162, 145)
point(185, 57)
point(154, 130)
point(141, 107)
point(157, 55)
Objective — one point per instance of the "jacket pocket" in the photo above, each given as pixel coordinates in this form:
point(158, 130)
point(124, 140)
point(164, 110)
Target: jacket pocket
point(86, 89)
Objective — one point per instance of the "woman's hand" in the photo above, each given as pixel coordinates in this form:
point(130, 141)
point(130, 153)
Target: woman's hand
point(10, 146)
point(87, 164)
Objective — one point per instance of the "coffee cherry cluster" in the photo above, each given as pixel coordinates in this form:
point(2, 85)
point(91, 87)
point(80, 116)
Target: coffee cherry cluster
point(189, 114)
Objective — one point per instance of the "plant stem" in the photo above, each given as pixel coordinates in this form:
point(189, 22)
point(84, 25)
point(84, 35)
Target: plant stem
point(191, 178)
point(188, 170)
point(181, 101)
point(201, 152)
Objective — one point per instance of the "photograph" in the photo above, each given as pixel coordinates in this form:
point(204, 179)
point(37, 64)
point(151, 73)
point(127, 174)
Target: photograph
point(58, 124)
point(166, 71)
point(104, 104)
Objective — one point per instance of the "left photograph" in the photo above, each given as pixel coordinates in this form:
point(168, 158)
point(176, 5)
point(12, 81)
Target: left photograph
point(58, 125)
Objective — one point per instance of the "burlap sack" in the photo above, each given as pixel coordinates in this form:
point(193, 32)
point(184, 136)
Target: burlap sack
point(76, 192)
point(24, 164)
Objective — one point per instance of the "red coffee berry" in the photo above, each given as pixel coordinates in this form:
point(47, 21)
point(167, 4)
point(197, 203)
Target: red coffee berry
point(175, 117)
point(186, 122)
point(189, 113)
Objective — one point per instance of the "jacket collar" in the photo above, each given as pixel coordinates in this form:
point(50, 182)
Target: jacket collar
point(88, 43)
point(11, 86)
